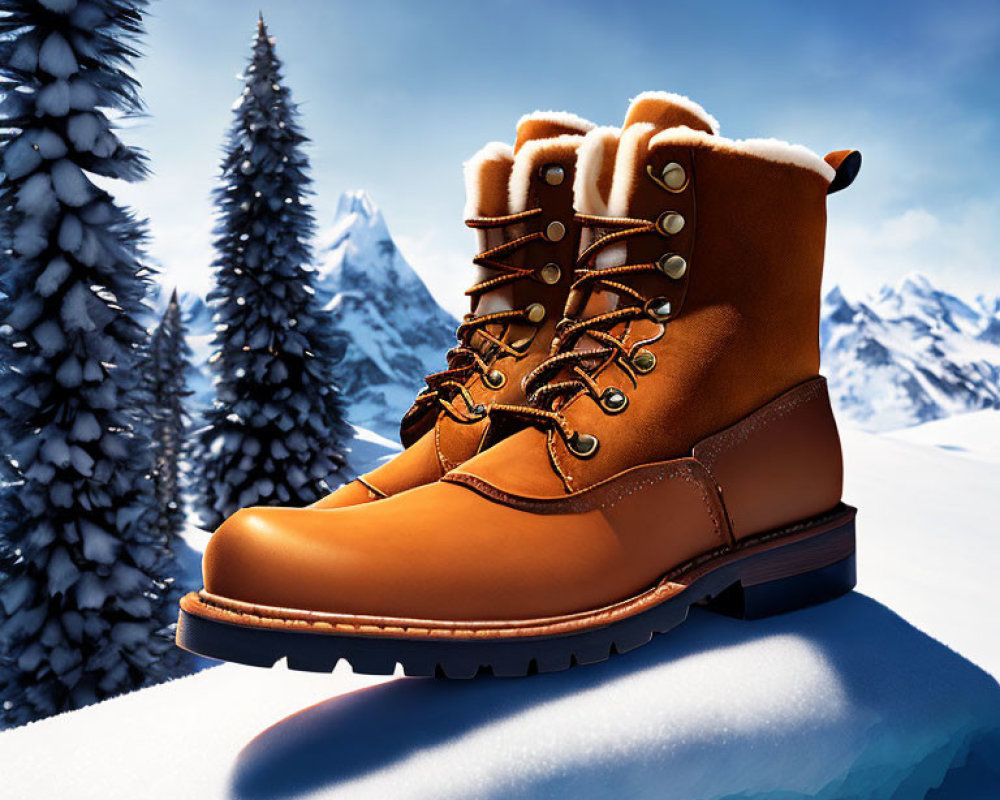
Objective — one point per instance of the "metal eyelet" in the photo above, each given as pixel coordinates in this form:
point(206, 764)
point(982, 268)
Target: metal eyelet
point(673, 177)
point(613, 400)
point(672, 265)
point(555, 231)
point(550, 273)
point(553, 174)
point(660, 309)
point(583, 445)
point(643, 362)
point(670, 223)
point(494, 379)
point(479, 410)
point(535, 313)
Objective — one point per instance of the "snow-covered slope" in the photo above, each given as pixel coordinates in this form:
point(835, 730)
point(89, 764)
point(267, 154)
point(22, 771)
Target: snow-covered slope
point(975, 435)
point(910, 354)
point(392, 329)
point(846, 700)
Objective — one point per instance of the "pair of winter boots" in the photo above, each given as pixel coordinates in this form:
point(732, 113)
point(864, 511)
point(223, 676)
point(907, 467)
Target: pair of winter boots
point(632, 423)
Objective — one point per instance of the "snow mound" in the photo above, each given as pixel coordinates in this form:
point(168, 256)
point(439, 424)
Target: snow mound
point(974, 435)
point(842, 700)
point(910, 354)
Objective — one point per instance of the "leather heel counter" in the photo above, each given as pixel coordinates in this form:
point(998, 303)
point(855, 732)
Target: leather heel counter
point(781, 464)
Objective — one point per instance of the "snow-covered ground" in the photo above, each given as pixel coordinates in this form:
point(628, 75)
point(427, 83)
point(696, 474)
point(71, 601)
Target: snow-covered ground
point(865, 697)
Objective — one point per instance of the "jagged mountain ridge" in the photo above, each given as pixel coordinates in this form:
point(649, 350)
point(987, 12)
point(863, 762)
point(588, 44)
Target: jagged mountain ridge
point(392, 330)
point(909, 354)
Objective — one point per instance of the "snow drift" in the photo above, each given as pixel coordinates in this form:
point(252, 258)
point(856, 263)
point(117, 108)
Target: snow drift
point(843, 700)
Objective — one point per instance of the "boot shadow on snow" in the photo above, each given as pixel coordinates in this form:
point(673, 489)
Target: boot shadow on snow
point(891, 676)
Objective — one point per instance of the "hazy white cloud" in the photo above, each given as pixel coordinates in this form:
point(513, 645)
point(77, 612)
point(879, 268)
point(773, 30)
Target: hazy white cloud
point(957, 251)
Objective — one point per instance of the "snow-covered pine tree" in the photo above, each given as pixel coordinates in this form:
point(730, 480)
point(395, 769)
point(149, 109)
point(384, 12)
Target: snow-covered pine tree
point(275, 431)
point(82, 610)
point(166, 372)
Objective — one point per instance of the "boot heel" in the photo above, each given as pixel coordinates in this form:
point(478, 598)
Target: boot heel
point(764, 590)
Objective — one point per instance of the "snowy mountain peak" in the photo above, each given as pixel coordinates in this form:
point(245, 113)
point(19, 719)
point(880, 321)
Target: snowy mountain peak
point(915, 283)
point(909, 354)
point(392, 330)
point(357, 202)
point(359, 249)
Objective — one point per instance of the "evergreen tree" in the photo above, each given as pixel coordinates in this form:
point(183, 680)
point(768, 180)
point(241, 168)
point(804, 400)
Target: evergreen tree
point(83, 610)
point(273, 435)
point(167, 369)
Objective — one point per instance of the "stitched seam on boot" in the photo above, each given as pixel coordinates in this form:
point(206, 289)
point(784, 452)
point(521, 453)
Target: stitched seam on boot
point(570, 504)
point(554, 458)
point(759, 420)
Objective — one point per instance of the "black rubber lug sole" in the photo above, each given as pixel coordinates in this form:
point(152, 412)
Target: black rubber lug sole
point(752, 587)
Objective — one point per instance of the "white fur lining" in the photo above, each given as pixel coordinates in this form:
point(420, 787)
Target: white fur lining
point(473, 168)
point(559, 117)
point(684, 102)
point(626, 166)
point(531, 155)
point(589, 165)
point(767, 149)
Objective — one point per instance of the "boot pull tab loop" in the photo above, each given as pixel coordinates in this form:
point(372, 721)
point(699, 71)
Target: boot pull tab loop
point(847, 163)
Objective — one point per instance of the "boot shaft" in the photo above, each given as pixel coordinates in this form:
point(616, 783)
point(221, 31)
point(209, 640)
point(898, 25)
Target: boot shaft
point(739, 236)
point(698, 305)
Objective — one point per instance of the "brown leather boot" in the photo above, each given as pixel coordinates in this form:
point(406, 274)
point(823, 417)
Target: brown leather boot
point(679, 448)
point(520, 201)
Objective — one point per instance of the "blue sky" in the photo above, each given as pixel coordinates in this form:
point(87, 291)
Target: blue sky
point(396, 95)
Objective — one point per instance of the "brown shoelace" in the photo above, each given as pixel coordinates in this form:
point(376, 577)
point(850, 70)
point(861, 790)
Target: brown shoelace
point(447, 387)
point(542, 391)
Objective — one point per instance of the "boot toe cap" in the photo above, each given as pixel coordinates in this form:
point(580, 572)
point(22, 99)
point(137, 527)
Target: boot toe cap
point(242, 554)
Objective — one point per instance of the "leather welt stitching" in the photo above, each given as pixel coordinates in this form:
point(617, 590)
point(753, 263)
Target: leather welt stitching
point(442, 461)
point(708, 450)
point(556, 464)
point(712, 513)
point(578, 502)
point(661, 591)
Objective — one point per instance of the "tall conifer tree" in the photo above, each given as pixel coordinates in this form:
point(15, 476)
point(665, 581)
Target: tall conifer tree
point(274, 434)
point(83, 608)
point(167, 370)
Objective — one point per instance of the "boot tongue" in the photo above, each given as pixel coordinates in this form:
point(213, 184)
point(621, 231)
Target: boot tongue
point(541, 137)
point(667, 110)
